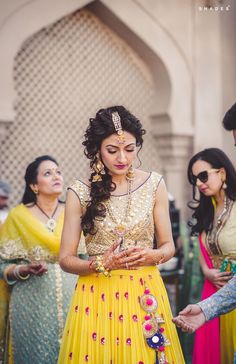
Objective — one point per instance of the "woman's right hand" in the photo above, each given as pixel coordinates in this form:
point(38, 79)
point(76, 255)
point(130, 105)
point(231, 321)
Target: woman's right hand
point(36, 268)
point(218, 278)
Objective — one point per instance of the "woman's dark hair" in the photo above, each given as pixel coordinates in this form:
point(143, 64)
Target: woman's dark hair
point(203, 207)
point(229, 120)
point(100, 128)
point(31, 175)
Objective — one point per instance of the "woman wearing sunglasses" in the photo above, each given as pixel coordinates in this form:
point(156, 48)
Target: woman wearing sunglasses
point(213, 178)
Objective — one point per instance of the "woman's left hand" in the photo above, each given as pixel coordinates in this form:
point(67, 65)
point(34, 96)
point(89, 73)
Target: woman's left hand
point(138, 257)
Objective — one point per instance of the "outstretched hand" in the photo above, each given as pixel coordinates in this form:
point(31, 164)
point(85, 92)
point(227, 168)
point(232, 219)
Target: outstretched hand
point(190, 318)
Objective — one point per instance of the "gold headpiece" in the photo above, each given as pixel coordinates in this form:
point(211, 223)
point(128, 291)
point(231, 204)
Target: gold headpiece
point(117, 125)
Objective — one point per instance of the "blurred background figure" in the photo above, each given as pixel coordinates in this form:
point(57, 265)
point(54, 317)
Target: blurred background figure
point(213, 180)
point(39, 290)
point(229, 121)
point(5, 191)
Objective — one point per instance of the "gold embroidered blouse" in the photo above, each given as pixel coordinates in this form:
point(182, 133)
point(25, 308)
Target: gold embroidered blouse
point(225, 244)
point(139, 223)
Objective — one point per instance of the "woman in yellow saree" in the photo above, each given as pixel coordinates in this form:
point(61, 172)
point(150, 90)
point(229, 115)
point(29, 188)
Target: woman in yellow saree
point(29, 248)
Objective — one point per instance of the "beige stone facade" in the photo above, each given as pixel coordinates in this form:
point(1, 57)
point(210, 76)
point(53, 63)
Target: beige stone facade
point(172, 63)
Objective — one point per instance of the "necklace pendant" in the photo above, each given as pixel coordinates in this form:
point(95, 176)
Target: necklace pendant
point(51, 224)
point(120, 230)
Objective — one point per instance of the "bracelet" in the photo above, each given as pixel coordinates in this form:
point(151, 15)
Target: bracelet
point(6, 270)
point(17, 274)
point(99, 267)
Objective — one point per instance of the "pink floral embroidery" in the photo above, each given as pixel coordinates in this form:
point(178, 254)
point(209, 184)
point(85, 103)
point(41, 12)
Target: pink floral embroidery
point(141, 281)
point(86, 357)
point(92, 289)
point(131, 278)
point(70, 355)
point(126, 295)
point(103, 297)
point(83, 287)
point(135, 318)
point(128, 341)
point(103, 340)
point(110, 315)
point(117, 295)
point(87, 310)
point(94, 336)
point(117, 341)
point(121, 318)
point(76, 308)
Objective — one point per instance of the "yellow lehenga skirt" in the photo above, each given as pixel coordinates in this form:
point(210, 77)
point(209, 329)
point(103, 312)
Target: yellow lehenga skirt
point(104, 323)
point(228, 337)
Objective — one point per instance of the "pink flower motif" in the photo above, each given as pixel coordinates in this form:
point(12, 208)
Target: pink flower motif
point(117, 341)
point(76, 308)
point(128, 341)
point(87, 310)
point(161, 329)
point(103, 297)
point(135, 318)
point(86, 357)
point(110, 315)
point(103, 340)
point(126, 295)
point(70, 355)
point(149, 301)
point(117, 295)
point(141, 281)
point(83, 287)
point(140, 362)
point(94, 336)
point(147, 291)
point(92, 289)
point(161, 348)
point(121, 318)
point(147, 317)
point(131, 278)
point(148, 327)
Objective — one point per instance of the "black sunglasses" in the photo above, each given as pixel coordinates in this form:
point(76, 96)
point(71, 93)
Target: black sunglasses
point(203, 176)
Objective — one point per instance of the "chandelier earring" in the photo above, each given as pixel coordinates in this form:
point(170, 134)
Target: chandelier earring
point(99, 170)
point(130, 173)
point(36, 192)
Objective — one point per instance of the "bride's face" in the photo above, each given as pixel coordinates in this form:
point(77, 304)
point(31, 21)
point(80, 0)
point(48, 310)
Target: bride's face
point(118, 157)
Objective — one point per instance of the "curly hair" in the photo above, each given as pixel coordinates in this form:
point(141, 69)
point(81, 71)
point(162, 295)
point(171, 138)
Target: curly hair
point(99, 129)
point(203, 208)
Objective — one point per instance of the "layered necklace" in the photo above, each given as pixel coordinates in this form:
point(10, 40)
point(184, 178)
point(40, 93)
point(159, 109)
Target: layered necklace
point(51, 223)
point(219, 222)
point(120, 228)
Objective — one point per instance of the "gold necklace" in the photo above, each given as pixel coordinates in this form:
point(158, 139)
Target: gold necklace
point(121, 228)
point(51, 223)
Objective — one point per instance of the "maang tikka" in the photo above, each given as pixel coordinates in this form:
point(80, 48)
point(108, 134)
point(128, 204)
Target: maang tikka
point(118, 128)
point(98, 168)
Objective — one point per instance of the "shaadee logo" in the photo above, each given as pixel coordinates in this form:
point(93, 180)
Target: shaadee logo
point(214, 8)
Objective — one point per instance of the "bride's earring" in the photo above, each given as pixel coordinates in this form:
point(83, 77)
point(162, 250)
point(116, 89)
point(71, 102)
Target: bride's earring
point(99, 170)
point(130, 173)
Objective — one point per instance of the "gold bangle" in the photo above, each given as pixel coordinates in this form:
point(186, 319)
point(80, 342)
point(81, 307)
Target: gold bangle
point(6, 270)
point(99, 267)
point(17, 274)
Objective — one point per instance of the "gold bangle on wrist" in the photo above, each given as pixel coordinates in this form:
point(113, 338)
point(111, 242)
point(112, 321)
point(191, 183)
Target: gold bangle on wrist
point(10, 282)
point(17, 274)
